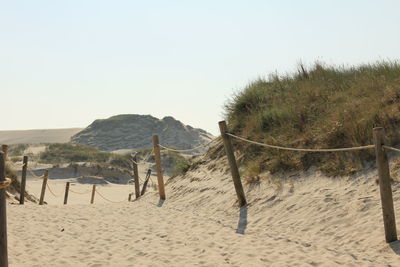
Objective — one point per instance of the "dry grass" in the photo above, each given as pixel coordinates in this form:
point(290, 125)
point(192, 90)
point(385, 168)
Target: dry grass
point(323, 107)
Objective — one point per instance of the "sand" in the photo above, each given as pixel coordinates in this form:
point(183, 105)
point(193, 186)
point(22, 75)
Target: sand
point(307, 220)
point(38, 136)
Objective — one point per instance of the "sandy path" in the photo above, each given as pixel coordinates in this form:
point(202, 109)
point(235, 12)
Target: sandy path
point(136, 234)
point(308, 220)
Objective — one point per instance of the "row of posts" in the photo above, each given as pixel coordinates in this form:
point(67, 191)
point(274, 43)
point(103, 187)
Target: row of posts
point(381, 161)
point(3, 213)
point(389, 220)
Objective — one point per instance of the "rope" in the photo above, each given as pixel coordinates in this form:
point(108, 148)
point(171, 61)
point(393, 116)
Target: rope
point(79, 193)
point(190, 149)
point(15, 165)
point(34, 175)
point(5, 184)
point(303, 149)
point(391, 148)
point(106, 199)
point(145, 159)
point(51, 191)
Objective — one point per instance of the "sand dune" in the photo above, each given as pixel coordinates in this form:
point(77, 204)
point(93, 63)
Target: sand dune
point(38, 136)
point(308, 220)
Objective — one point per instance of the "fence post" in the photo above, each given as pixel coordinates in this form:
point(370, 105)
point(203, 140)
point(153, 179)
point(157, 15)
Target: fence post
point(93, 193)
point(136, 176)
point(389, 220)
point(232, 164)
point(66, 193)
point(44, 184)
point(4, 148)
point(3, 216)
point(160, 178)
point(23, 181)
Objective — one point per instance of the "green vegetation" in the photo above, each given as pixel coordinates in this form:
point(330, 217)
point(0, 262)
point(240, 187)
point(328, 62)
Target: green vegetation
point(69, 152)
point(323, 107)
point(180, 164)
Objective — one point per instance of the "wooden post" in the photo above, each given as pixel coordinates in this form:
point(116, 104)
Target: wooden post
point(389, 220)
point(136, 176)
point(93, 193)
point(23, 181)
point(232, 164)
point(3, 216)
point(44, 184)
point(66, 193)
point(160, 178)
point(4, 148)
point(129, 197)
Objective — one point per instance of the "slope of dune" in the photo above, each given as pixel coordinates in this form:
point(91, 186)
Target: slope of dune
point(37, 136)
point(306, 219)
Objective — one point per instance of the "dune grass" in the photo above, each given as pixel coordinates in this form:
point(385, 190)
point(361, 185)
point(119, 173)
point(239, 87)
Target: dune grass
point(322, 107)
point(69, 153)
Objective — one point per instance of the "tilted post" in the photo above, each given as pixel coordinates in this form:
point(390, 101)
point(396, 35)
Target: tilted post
point(23, 181)
point(129, 197)
point(3, 216)
point(160, 178)
point(232, 164)
point(93, 193)
point(389, 220)
point(66, 193)
point(44, 184)
point(136, 176)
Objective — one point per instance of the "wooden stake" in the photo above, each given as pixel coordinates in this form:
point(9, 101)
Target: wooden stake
point(136, 176)
point(44, 184)
point(66, 193)
point(4, 148)
point(23, 181)
point(232, 164)
point(3, 216)
point(160, 178)
point(129, 197)
point(93, 193)
point(389, 220)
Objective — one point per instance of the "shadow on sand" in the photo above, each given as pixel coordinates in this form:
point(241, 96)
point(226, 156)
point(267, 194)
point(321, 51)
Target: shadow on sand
point(160, 203)
point(242, 224)
point(395, 246)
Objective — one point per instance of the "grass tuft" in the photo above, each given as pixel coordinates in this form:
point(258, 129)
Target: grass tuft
point(320, 107)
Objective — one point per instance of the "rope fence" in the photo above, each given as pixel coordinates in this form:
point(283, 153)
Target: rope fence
point(106, 199)
point(391, 148)
point(190, 149)
point(303, 149)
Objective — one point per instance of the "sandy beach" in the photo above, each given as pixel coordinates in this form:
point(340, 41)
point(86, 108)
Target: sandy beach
point(305, 221)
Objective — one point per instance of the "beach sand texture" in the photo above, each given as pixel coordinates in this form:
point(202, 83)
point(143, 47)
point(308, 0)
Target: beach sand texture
point(308, 220)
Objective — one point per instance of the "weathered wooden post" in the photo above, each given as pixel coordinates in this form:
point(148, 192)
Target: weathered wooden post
point(93, 193)
point(66, 193)
point(148, 174)
point(4, 148)
point(44, 184)
point(232, 164)
point(136, 176)
point(23, 181)
point(160, 178)
point(129, 197)
point(3, 215)
point(389, 220)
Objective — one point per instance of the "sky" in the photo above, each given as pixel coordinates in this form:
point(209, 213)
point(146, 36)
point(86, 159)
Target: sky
point(66, 63)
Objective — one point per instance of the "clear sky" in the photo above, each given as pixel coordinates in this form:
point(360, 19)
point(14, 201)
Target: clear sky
point(66, 63)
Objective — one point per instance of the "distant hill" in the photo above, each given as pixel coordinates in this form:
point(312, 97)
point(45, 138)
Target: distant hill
point(132, 131)
point(38, 136)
